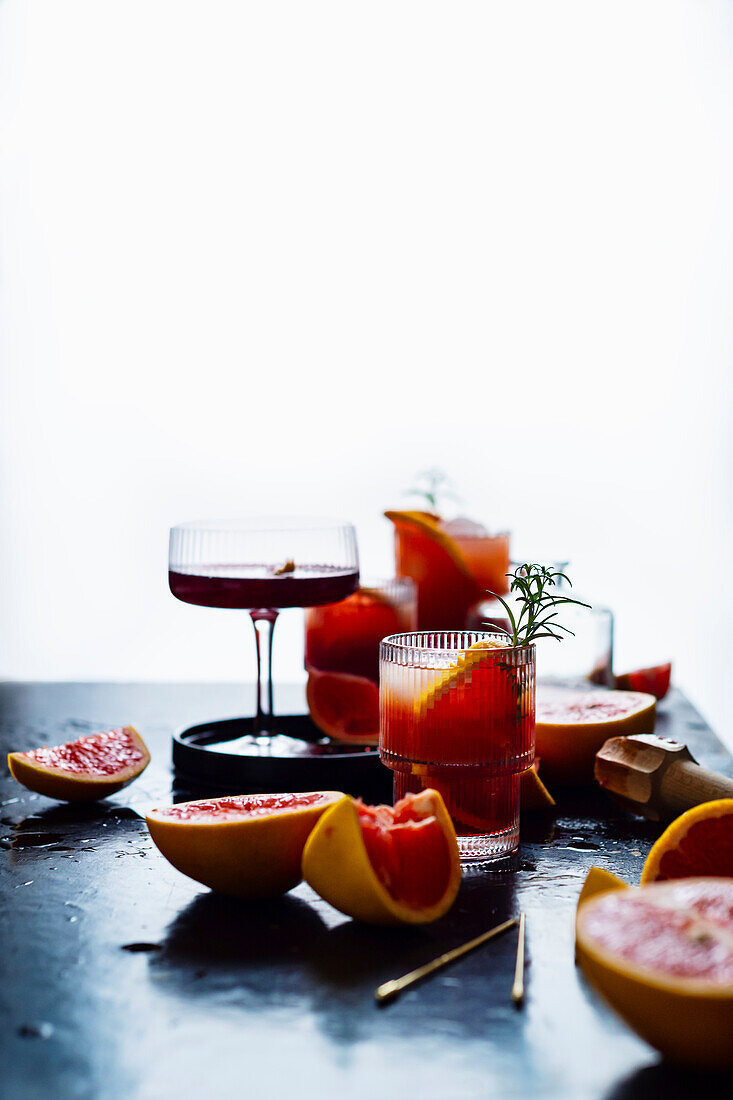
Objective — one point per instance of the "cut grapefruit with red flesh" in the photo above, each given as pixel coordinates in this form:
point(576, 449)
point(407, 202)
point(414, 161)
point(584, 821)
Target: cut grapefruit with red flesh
point(699, 842)
point(571, 726)
point(84, 770)
point(344, 707)
point(655, 680)
point(445, 588)
point(662, 956)
point(247, 845)
point(386, 864)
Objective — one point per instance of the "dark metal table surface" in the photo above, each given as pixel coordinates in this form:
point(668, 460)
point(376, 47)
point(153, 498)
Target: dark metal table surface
point(121, 978)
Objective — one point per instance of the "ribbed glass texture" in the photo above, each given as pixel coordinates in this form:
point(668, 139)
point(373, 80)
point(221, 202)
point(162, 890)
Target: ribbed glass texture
point(457, 713)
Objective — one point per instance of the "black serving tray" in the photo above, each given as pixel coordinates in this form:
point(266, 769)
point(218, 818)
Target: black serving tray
point(226, 756)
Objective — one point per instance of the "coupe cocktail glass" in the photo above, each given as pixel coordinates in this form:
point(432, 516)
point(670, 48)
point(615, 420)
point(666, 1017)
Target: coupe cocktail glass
point(457, 713)
point(263, 565)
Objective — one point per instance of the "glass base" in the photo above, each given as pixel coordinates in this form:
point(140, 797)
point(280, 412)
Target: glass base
point(488, 847)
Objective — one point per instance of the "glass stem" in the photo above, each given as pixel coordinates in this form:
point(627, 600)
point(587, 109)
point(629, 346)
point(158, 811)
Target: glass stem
point(264, 624)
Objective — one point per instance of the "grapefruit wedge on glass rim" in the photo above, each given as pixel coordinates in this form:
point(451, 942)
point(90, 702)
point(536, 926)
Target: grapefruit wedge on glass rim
point(662, 956)
point(445, 588)
point(84, 770)
point(247, 845)
point(386, 865)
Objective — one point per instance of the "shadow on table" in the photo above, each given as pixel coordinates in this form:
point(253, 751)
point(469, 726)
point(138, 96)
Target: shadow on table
point(281, 955)
point(665, 1081)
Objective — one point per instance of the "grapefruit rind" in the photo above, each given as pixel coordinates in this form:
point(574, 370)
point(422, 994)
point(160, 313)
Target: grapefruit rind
point(533, 794)
point(568, 747)
point(457, 675)
point(599, 881)
point(674, 834)
point(336, 865)
point(75, 786)
point(246, 857)
point(689, 1020)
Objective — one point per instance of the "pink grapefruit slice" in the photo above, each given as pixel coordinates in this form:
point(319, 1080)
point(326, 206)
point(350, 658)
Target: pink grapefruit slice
point(246, 845)
point(662, 956)
point(571, 726)
point(84, 770)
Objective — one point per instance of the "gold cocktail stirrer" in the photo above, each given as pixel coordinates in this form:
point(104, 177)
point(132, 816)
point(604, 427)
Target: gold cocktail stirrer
point(518, 987)
point(388, 990)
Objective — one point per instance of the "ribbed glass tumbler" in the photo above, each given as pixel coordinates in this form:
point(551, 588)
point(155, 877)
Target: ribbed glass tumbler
point(457, 713)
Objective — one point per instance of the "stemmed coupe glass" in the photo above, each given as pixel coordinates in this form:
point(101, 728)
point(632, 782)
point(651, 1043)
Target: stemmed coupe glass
point(262, 566)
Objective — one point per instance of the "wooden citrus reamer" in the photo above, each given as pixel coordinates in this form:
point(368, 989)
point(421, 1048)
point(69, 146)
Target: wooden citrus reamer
point(656, 776)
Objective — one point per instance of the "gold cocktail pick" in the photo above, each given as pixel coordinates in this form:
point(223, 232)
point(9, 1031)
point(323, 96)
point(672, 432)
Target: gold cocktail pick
point(388, 990)
point(518, 987)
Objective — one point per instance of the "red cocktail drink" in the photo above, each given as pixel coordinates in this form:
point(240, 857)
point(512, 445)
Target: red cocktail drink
point(452, 563)
point(457, 713)
point(251, 586)
point(342, 655)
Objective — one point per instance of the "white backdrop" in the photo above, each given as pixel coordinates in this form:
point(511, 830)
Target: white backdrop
point(278, 257)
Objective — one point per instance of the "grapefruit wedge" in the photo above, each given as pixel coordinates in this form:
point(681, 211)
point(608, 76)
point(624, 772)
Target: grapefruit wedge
point(84, 770)
point(572, 726)
point(533, 794)
point(247, 845)
point(445, 587)
point(386, 864)
point(343, 706)
point(662, 956)
point(655, 680)
point(699, 842)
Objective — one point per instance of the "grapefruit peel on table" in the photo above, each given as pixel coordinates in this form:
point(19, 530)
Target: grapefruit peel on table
point(90, 768)
point(572, 725)
point(386, 865)
point(698, 842)
point(662, 956)
point(247, 846)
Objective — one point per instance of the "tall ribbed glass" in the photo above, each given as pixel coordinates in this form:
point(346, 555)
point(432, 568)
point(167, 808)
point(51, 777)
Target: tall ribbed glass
point(457, 713)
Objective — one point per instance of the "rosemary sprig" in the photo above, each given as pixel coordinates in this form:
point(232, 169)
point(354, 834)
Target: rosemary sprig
point(537, 616)
point(433, 486)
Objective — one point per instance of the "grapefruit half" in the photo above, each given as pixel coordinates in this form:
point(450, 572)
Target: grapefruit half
point(662, 956)
point(84, 770)
point(699, 842)
point(343, 706)
point(247, 845)
point(571, 727)
point(386, 864)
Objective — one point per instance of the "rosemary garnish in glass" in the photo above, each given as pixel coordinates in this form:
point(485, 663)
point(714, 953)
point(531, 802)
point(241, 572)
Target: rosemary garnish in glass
point(532, 586)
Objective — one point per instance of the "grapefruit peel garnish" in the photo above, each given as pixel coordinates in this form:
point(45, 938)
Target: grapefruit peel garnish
point(337, 866)
point(90, 768)
point(246, 846)
point(686, 833)
point(458, 675)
